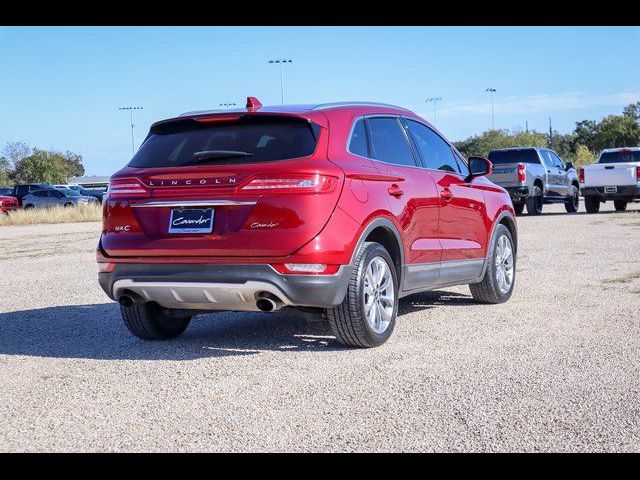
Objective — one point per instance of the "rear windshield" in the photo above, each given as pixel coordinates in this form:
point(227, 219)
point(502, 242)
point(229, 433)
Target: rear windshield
point(498, 157)
point(247, 140)
point(620, 157)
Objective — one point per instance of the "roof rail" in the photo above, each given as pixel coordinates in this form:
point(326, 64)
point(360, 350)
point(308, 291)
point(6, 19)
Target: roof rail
point(323, 106)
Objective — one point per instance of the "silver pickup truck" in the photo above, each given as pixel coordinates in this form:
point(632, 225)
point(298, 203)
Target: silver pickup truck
point(534, 176)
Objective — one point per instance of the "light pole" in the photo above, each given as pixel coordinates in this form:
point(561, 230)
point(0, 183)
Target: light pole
point(280, 62)
point(227, 105)
point(131, 109)
point(493, 120)
point(435, 101)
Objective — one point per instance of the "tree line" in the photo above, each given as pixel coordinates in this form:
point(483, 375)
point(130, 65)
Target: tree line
point(20, 163)
point(581, 146)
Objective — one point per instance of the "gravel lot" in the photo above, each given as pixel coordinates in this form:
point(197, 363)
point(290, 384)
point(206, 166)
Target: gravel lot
point(556, 368)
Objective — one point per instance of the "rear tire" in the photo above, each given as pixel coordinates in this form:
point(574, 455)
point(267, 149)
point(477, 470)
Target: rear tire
point(573, 203)
point(519, 208)
point(500, 276)
point(68, 205)
point(351, 321)
point(150, 321)
point(591, 204)
point(620, 205)
point(28, 207)
point(534, 202)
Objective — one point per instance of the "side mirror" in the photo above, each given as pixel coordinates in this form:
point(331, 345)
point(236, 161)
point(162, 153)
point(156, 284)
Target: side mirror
point(479, 166)
point(569, 165)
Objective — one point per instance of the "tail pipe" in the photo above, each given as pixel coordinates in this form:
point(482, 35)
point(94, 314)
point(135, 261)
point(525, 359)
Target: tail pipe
point(267, 302)
point(129, 299)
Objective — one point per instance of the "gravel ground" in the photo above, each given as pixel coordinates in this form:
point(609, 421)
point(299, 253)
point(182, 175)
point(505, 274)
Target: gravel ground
point(554, 369)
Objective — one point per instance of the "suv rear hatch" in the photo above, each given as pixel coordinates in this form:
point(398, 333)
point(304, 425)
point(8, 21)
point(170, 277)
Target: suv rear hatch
point(239, 185)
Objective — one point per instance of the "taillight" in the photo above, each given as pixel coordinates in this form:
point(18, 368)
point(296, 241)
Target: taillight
point(637, 174)
point(106, 267)
point(292, 183)
point(522, 173)
point(306, 268)
point(126, 188)
point(581, 175)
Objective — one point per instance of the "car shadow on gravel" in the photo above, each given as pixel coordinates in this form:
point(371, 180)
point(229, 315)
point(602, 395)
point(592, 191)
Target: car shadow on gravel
point(97, 332)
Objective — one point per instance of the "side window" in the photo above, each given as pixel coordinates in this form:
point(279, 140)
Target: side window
point(40, 193)
point(546, 158)
point(358, 140)
point(463, 166)
point(388, 142)
point(556, 160)
point(435, 153)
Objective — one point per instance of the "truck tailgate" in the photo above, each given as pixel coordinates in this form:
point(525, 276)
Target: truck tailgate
point(612, 174)
point(505, 175)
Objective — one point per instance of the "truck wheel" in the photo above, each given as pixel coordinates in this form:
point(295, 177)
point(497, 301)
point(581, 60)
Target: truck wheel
point(620, 205)
point(519, 208)
point(499, 277)
point(573, 203)
point(150, 321)
point(367, 315)
point(592, 204)
point(68, 205)
point(534, 202)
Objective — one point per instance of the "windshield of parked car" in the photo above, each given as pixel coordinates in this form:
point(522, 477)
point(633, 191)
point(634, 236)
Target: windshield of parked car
point(528, 155)
point(245, 140)
point(621, 156)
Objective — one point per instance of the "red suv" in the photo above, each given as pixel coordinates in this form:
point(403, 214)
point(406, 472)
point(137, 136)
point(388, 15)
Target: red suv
point(339, 209)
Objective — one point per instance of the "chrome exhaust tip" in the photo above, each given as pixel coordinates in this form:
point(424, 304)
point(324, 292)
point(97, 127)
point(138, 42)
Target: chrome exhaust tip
point(268, 303)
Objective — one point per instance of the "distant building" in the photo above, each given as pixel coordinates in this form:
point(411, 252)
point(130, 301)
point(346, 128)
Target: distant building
point(90, 181)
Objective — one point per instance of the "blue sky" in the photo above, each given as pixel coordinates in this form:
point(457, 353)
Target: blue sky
point(60, 87)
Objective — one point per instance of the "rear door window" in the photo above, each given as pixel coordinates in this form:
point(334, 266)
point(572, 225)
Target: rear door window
point(435, 153)
point(527, 155)
point(388, 142)
point(620, 157)
point(244, 140)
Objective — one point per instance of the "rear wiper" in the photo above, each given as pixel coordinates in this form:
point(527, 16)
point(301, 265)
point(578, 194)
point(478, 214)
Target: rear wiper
point(216, 154)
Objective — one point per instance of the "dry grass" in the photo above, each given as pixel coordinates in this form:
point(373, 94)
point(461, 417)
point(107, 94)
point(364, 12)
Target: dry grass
point(88, 213)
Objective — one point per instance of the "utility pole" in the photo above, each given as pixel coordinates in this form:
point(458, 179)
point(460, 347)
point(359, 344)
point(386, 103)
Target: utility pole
point(492, 90)
point(526, 126)
point(435, 101)
point(131, 109)
point(280, 62)
point(550, 134)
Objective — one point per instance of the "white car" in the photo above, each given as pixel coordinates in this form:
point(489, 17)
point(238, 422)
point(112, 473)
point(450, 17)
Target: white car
point(615, 177)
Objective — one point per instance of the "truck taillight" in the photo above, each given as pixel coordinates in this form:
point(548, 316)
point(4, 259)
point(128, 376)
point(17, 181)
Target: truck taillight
point(292, 183)
point(581, 175)
point(522, 172)
point(637, 174)
point(126, 188)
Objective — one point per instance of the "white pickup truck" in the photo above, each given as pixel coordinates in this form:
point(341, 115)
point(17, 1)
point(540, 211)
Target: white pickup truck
point(615, 177)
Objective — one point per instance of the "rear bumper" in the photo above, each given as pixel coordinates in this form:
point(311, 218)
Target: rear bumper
point(8, 208)
point(622, 193)
point(517, 193)
point(223, 287)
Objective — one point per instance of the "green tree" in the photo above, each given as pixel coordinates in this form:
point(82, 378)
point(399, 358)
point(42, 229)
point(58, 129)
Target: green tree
point(5, 172)
point(42, 166)
point(633, 111)
point(74, 164)
point(13, 152)
point(583, 157)
point(482, 144)
point(616, 131)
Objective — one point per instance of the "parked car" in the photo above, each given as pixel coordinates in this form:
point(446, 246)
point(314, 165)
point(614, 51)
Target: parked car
point(535, 176)
point(52, 197)
point(8, 204)
point(19, 191)
point(615, 177)
point(6, 191)
point(96, 194)
point(337, 209)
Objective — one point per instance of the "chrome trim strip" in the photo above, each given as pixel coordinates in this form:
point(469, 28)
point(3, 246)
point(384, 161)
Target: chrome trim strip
point(195, 203)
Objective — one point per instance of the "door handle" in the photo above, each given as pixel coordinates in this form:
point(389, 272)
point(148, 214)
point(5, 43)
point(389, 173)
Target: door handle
point(446, 194)
point(395, 190)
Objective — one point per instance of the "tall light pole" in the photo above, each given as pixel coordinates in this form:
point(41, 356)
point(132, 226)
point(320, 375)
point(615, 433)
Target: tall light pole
point(131, 109)
point(493, 119)
point(227, 105)
point(280, 62)
point(435, 101)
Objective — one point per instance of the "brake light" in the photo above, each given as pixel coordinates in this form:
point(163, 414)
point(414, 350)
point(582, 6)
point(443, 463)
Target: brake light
point(126, 188)
point(106, 267)
point(522, 173)
point(306, 268)
point(293, 183)
point(581, 175)
point(637, 174)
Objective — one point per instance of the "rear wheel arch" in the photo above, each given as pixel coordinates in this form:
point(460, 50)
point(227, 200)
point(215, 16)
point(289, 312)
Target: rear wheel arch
point(507, 219)
point(384, 232)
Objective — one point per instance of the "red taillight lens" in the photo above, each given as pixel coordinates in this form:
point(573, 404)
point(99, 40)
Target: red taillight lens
point(292, 183)
point(522, 173)
point(106, 267)
point(581, 175)
point(637, 174)
point(126, 188)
